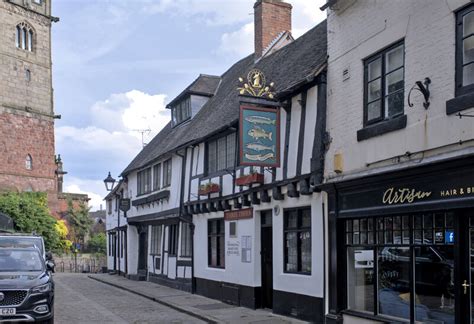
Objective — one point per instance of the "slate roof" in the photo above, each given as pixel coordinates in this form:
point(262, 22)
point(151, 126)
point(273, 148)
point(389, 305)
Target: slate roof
point(293, 65)
point(204, 85)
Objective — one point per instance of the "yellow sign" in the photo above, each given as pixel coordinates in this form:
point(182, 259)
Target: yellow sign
point(256, 85)
point(403, 195)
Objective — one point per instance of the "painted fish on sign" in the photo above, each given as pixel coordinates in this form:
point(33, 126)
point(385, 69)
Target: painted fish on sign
point(259, 136)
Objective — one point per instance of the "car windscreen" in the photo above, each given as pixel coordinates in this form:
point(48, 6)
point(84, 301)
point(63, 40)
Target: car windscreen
point(20, 260)
point(22, 242)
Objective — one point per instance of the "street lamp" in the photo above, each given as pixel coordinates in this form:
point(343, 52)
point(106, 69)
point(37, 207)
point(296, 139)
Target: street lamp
point(109, 182)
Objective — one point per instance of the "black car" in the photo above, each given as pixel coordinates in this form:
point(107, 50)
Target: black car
point(26, 287)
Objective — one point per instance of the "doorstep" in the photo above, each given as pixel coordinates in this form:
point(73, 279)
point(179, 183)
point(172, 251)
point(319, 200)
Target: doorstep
point(209, 310)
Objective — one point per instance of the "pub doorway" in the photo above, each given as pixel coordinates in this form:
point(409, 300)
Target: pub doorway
point(267, 258)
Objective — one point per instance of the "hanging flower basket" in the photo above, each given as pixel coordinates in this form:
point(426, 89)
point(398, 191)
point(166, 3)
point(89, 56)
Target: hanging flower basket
point(208, 189)
point(247, 180)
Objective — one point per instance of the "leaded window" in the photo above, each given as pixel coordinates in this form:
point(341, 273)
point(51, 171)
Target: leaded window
point(157, 176)
point(221, 153)
point(216, 243)
point(173, 239)
point(181, 111)
point(156, 234)
point(186, 243)
point(297, 238)
point(384, 84)
point(167, 173)
point(144, 181)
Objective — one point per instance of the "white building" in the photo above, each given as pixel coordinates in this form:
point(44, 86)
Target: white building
point(399, 178)
point(201, 220)
point(116, 229)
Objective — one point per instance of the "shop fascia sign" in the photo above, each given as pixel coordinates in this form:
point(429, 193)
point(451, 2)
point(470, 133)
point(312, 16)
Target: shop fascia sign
point(246, 213)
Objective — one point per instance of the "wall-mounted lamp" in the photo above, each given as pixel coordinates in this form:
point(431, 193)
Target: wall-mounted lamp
point(109, 182)
point(424, 88)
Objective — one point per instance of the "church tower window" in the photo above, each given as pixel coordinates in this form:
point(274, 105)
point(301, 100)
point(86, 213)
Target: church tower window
point(24, 37)
point(29, 162)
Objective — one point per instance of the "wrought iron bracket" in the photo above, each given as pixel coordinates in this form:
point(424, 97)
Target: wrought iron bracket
point(424, 88)
point(463, 115)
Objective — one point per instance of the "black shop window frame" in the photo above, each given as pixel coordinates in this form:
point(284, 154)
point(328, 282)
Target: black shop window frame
point(384, 123)
point(300, 229)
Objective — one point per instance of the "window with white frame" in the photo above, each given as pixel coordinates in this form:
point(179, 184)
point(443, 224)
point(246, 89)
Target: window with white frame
point(24, 37)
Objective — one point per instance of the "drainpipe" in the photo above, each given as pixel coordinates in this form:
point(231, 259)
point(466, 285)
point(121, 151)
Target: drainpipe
point(181, 203)
point(320, 135)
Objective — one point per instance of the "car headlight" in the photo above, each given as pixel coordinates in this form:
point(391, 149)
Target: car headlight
point(41, 289)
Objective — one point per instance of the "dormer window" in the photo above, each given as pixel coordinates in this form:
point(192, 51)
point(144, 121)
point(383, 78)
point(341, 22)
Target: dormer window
point(181, 111)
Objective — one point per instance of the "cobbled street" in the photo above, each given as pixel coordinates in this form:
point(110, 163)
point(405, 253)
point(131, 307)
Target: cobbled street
point(79, 299)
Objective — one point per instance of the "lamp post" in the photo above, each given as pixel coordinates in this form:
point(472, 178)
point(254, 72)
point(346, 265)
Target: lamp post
point(109, 186)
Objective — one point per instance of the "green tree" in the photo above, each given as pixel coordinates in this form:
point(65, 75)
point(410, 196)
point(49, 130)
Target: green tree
point(98, 243)
point(30, 213)
point(79, 221)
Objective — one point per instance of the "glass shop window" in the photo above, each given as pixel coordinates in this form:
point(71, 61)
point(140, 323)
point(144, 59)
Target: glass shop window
point(380, 278)
point(297, 237)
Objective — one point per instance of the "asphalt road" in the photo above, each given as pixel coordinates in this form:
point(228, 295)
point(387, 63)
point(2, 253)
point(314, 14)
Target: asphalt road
point(79, 299)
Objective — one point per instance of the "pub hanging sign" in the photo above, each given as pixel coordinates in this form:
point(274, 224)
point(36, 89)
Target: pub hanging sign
point(259, 136)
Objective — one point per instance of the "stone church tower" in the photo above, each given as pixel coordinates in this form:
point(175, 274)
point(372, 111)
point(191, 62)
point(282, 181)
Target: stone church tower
point(27, 154)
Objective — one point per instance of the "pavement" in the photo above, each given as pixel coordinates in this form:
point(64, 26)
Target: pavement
point(81, 300)
point(196, 306)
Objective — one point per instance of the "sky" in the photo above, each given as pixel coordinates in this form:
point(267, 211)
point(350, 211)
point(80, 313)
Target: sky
point(117, 63)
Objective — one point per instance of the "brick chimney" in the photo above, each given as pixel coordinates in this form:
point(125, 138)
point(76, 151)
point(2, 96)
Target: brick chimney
point(272, 17)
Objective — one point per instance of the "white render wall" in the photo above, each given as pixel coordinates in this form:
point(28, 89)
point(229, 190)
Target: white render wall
point(172, 202)
point(310, 285)
point(428, 28)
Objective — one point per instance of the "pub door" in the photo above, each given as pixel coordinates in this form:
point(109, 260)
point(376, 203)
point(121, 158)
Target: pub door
point(143, 253)
point(267, 259)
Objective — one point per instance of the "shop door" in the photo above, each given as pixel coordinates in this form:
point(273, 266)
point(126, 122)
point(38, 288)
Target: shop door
point(267, 259)
point(465, 277)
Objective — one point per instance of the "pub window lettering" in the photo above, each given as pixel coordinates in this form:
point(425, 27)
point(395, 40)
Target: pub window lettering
point(297, 238)
point(465, 51)
point(221, 153)
point(216, 243)
point(384, 84)
point(144, 181)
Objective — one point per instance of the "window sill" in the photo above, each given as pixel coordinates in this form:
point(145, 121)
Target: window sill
point(372, 317)
point(297, 273)
point(215, 268)
point(460, 103)
point(381, 128)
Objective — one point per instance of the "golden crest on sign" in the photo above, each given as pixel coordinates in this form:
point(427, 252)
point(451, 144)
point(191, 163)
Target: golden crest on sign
point(256, 85)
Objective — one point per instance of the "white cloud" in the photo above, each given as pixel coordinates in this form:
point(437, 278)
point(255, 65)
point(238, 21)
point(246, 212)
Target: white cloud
point(305, 15)
point(239, 42)
point(95, 189)
point(112, 140)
